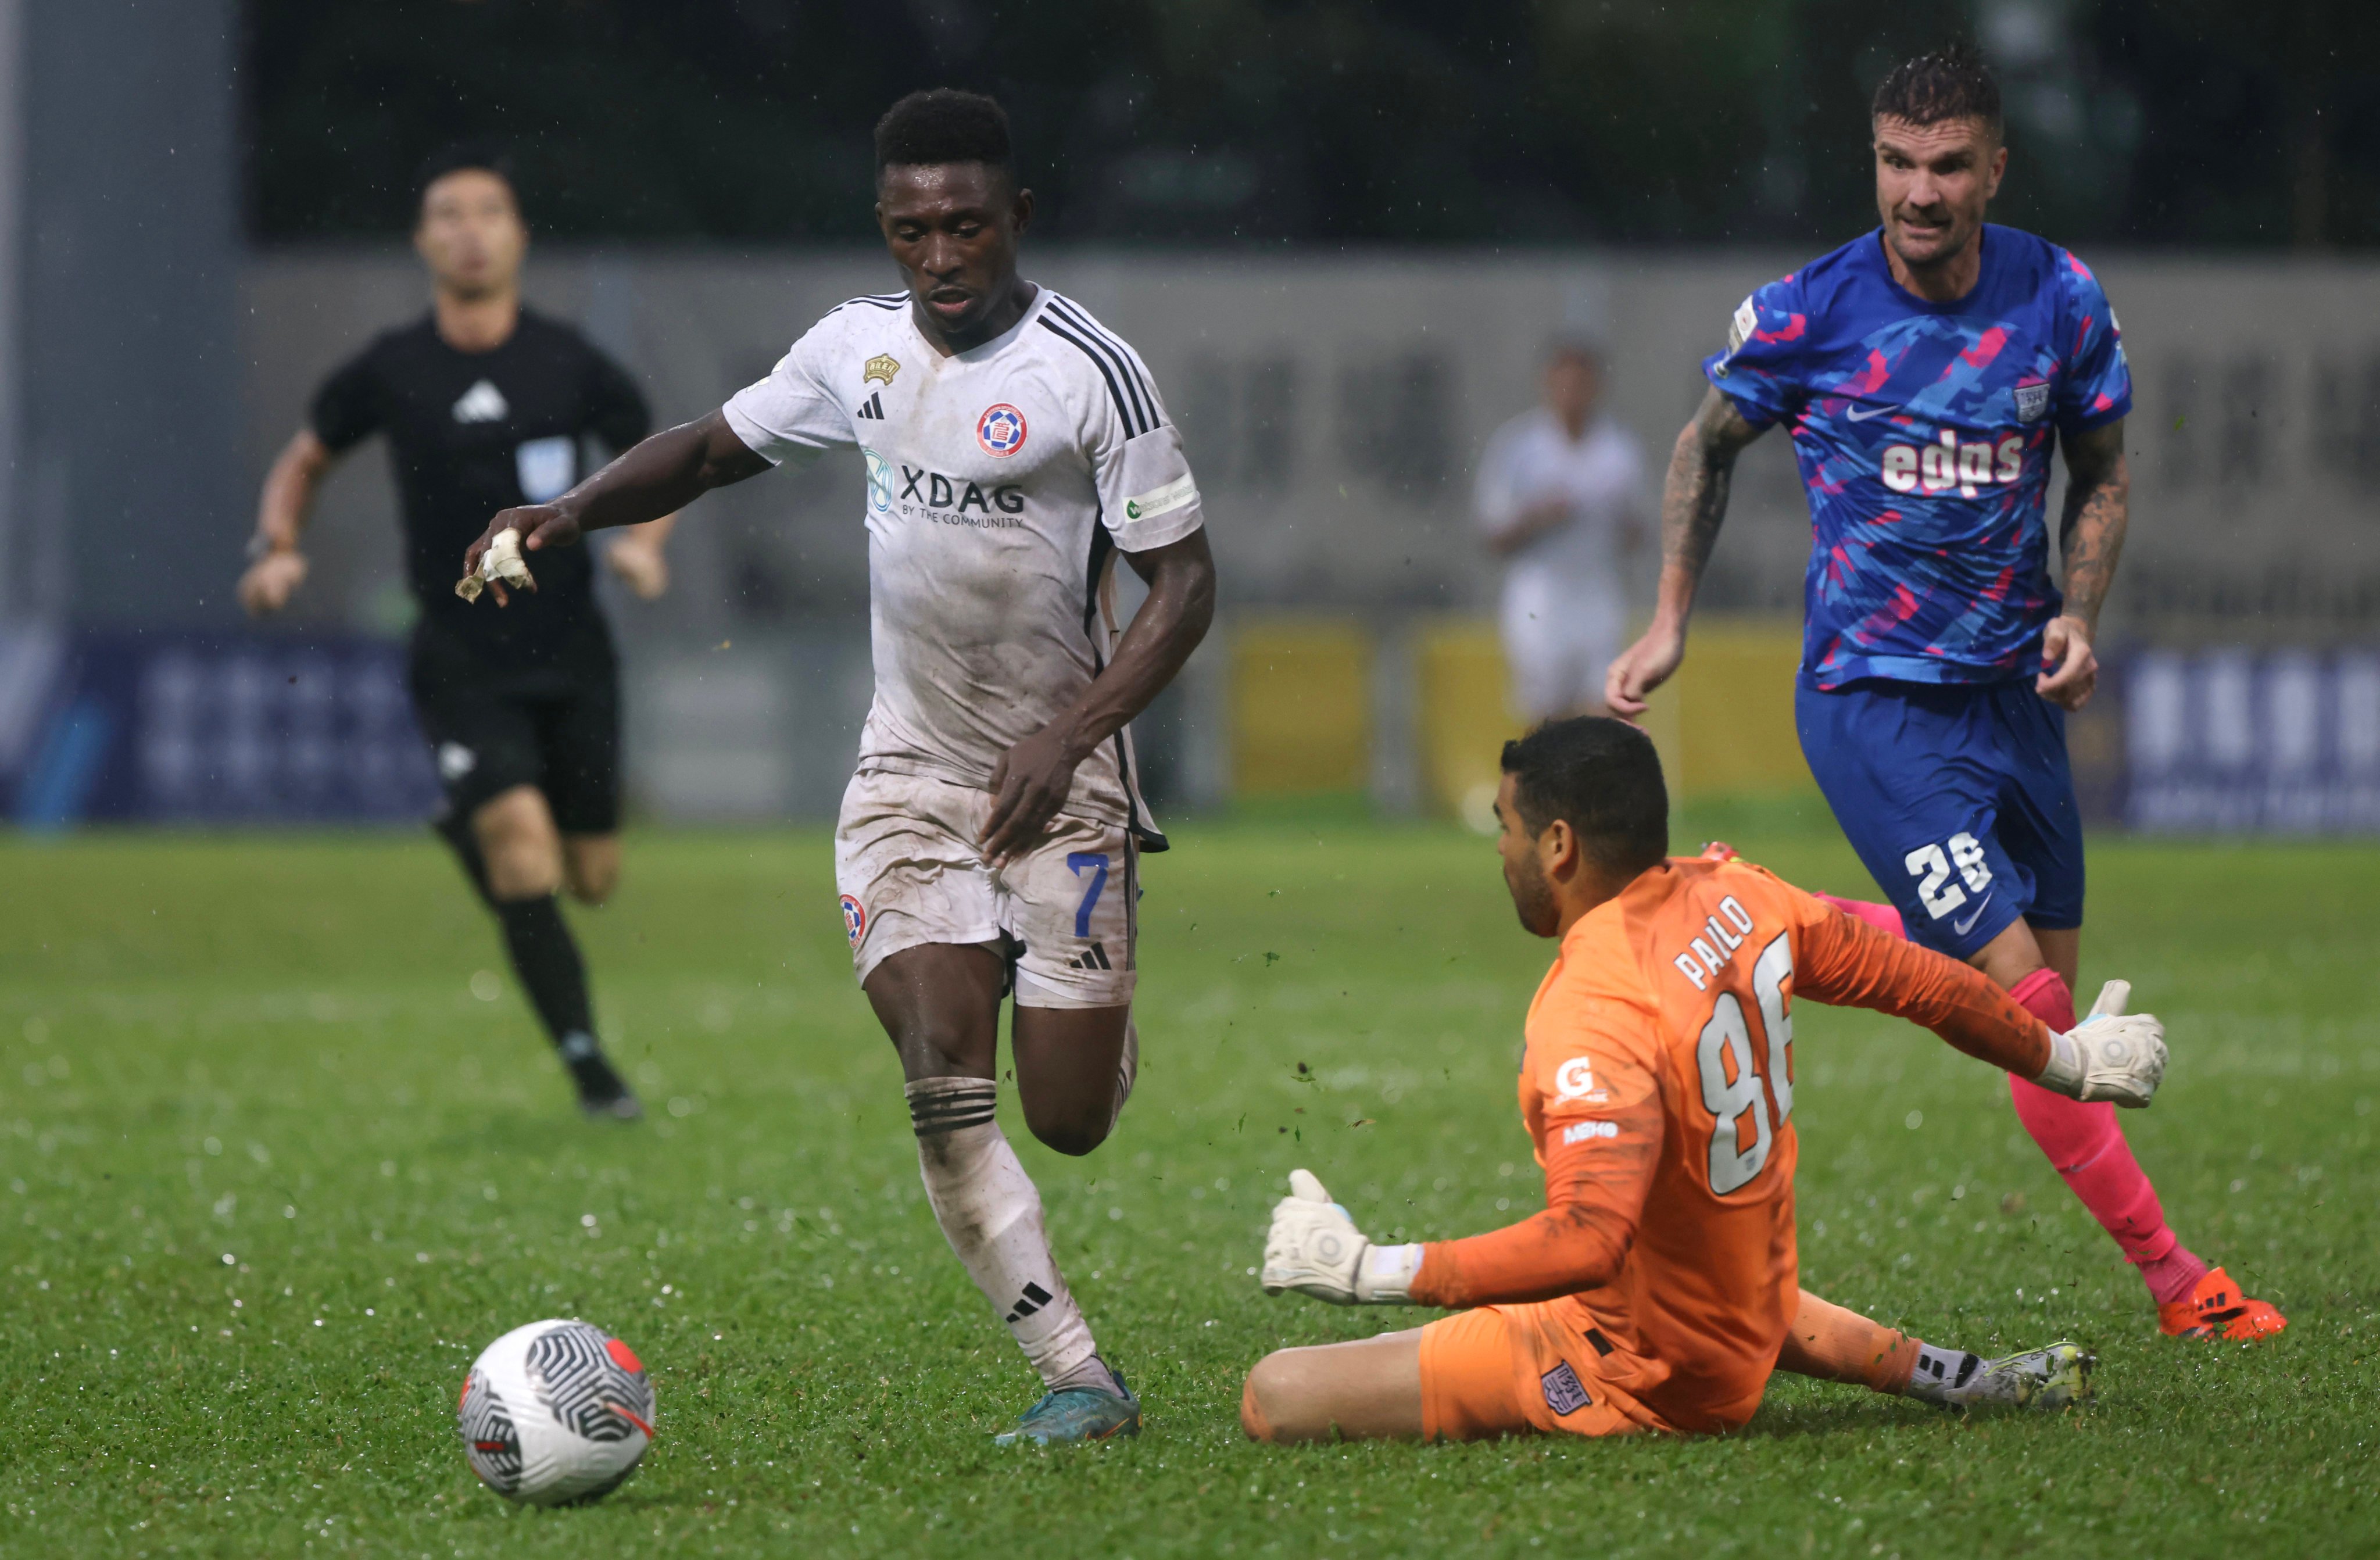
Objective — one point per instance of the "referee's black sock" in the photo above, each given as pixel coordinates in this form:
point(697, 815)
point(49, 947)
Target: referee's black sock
point(546, 958)
point(464, 841)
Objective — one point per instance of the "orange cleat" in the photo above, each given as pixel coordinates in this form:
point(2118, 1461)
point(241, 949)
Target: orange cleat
point(2217, 1310)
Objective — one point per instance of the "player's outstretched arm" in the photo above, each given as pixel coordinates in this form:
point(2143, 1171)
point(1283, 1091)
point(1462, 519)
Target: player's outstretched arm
point(1597, 1180)
point(1693, 505)
point(657, 477)
point(2110, 1056)
point(1031, 780)
point(277, 567)
point(2089, 538)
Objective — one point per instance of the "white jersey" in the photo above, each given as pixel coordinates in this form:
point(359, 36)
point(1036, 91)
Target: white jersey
point(1000, 483)
point(1531, 459)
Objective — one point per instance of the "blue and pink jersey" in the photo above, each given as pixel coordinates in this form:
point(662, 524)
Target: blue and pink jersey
point(1924, 434)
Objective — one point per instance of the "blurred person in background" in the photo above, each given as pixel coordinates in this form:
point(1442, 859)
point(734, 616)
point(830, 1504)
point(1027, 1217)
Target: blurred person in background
point(1928, 373)
point(485, 402)
point(1561, 500)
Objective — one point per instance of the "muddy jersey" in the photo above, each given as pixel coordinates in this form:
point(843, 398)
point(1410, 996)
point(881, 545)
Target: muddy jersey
point(1002, 481)
point(1658, 1091)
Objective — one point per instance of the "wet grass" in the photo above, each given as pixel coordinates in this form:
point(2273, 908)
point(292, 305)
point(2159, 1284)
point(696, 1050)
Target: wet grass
point(274, 1170)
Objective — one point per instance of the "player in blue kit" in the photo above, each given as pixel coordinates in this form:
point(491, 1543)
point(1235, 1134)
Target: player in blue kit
point(1926, 373)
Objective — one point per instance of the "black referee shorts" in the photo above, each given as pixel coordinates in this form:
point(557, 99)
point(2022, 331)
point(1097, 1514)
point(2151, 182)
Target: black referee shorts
point(558, 730)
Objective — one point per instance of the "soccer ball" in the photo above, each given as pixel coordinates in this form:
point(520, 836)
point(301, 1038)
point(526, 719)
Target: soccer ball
point(555, 1412)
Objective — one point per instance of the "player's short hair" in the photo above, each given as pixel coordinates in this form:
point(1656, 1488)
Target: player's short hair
point(1602, 777)
point(1950, 82)
point(481, 156)
point(943, 125)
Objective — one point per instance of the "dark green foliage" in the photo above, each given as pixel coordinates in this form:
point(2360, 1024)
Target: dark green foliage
point(1234, 121)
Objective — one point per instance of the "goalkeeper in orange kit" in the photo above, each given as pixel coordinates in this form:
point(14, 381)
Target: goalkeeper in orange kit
point(1660, 1287)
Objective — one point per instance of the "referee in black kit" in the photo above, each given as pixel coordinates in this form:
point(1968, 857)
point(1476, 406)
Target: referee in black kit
point(484, 403)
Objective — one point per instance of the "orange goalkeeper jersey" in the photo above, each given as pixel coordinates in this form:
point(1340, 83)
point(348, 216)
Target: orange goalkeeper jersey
point(1658, 1087)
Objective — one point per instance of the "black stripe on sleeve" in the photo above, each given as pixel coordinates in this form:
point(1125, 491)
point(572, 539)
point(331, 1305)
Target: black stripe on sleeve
point(1143, 397)
point(1123, 411)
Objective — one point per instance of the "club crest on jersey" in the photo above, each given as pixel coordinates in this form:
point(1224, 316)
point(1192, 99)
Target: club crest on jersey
point(880, 368)
point(855, 920)
point(2032, 399)
point(1001, 431)
point(1739, 327)
point(880, 480)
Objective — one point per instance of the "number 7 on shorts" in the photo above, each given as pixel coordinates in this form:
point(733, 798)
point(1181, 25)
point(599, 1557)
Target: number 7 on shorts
point(1075, 862)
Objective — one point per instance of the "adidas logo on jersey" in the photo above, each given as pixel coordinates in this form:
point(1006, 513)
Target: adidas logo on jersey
point(482, 403)
point(1947, 464)
point(871, 409)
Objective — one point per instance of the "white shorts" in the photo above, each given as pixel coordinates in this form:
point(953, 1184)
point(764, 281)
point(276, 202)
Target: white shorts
point(1064, 916)
point(1559, 643)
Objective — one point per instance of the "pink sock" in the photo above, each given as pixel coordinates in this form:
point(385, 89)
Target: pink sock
point(2088, 1148)
point(1884, 918)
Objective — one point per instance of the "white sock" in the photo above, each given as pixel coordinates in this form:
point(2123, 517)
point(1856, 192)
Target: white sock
point(1940, 1373)
point(991, 1216)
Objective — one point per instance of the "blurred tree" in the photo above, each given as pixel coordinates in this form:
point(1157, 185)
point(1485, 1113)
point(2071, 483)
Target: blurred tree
point(2159, 121)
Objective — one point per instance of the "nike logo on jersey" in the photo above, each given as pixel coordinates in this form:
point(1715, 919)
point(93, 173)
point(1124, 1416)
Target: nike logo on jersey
point(872, 408)
point(1856, 415)
point(482, 403)
point(1963, 927)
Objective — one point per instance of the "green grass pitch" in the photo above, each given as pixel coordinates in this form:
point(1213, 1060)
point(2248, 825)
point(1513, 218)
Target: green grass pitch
point(278, 1156)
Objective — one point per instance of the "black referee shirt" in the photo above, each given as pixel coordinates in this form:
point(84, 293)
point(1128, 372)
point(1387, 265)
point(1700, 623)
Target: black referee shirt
point(474, 433)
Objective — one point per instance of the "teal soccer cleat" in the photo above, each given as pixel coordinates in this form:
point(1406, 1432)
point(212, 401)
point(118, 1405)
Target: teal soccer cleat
point(1078, 1414)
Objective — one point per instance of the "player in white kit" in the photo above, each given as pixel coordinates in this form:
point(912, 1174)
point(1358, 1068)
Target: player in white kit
point(990, 839)
point(1562, 498)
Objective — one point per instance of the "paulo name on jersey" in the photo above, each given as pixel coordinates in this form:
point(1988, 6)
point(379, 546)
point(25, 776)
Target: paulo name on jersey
point(1924, 432)
point(1000, 483)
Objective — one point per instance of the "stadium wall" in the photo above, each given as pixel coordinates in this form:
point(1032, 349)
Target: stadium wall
point(1334, 408)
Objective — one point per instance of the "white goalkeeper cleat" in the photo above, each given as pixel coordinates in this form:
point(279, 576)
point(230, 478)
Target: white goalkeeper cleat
point(2110, 1055)
point(2055, 1377)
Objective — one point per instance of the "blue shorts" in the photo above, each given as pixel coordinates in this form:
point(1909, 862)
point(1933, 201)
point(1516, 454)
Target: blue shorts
point(1957, 798)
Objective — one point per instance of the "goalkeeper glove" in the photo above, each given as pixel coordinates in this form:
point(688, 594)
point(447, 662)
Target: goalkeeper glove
point(2110, 1055)
point(1314, 1249)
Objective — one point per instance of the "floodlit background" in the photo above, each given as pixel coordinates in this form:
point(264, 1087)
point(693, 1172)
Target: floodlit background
point(1340, 234)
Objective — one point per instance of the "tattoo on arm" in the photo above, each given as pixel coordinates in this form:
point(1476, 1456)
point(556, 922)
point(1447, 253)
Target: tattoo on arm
point(1694, 499)
point(2098, 504)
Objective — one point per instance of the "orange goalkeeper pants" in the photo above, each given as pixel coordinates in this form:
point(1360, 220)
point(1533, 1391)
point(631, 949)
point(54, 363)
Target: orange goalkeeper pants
point(1521, 1369)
